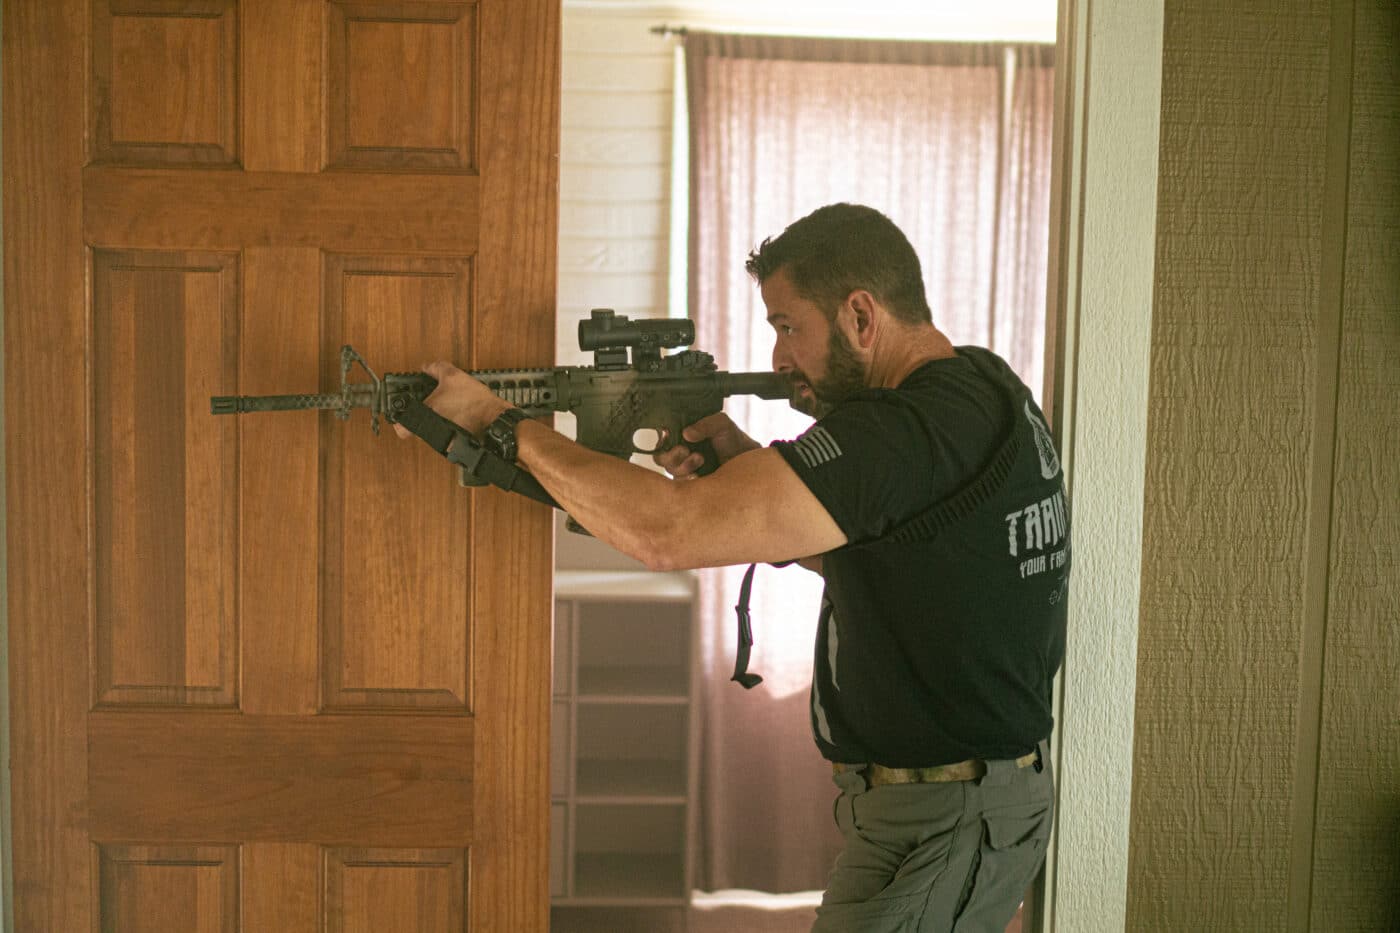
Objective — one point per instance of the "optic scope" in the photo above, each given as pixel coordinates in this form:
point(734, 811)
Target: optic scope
point(605, 329)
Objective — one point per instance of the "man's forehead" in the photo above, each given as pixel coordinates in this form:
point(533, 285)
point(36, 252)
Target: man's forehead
point(782, 299)
point(789, 309)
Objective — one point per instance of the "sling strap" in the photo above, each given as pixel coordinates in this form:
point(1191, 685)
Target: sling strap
point(741, 655)
point(477, 462)
point(925, 525)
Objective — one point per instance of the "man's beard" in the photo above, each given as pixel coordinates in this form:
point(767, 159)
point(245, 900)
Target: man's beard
point(844, 377)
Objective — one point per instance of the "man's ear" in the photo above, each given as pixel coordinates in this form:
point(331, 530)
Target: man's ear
point(864, 316)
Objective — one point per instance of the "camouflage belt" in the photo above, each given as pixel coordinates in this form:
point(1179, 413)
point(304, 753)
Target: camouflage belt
point(973, 768)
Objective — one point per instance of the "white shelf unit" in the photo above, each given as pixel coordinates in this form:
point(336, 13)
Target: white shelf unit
point(623, 739)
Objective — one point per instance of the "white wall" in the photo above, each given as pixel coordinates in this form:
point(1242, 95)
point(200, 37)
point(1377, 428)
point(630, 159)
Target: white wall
point(614, 171)
point(615, 185)
point(1107, 218)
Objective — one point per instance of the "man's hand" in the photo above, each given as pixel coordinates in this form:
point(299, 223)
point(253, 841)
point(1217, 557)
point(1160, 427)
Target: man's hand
point(681, 462)
point(459, 398)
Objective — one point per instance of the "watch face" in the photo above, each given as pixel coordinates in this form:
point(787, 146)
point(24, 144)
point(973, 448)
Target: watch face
point(501, 433)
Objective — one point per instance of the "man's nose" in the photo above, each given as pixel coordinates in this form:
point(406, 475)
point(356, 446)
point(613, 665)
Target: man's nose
point(782, 362)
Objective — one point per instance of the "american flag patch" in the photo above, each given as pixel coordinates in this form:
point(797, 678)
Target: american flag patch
point(816, 447)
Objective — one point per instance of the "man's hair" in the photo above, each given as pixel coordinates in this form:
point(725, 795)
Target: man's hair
point(840, 248)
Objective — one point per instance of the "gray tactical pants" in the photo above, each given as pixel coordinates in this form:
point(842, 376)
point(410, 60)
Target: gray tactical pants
point(938, 858)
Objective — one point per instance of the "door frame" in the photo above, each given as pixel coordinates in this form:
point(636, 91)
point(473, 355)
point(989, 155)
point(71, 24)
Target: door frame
point(1103, 216)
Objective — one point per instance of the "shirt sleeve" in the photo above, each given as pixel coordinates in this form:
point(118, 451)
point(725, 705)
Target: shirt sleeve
point(870, 463)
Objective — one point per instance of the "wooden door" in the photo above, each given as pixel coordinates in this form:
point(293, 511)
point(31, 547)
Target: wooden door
point(271, 673)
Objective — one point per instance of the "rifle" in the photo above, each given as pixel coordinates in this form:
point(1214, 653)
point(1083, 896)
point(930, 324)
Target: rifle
point(630, 388)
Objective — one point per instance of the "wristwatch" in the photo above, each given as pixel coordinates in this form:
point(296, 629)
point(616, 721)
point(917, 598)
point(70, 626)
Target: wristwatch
point(500, 434)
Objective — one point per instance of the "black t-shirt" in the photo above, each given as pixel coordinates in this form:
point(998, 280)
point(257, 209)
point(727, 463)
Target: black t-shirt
point(944, 648)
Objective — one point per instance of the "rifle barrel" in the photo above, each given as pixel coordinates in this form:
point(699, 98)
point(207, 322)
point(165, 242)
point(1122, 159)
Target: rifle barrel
point(236, 404)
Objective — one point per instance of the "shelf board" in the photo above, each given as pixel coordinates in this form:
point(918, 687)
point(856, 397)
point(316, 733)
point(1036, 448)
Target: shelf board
point(608, 699)
point(631, 777)
point(628, 876)
point(624, 584)
point(633, 680)
point(677, 901)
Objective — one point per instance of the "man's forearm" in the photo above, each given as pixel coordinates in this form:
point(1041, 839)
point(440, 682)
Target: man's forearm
point(622, 504)
point(754, 508)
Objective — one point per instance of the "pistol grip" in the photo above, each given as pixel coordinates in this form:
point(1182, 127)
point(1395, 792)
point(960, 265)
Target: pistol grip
point(707, 450)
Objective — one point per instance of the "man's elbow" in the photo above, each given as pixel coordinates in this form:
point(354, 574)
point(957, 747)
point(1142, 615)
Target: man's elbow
point(664, 557)
point(666, 546)
point(662, 563)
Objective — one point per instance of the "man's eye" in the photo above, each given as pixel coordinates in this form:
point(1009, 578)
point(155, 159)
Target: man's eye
point(785, 329)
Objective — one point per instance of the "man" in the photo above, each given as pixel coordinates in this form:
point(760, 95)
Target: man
point(929, 496)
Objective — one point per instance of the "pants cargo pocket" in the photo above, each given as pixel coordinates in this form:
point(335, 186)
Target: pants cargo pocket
point(878, 888)
point(881, 915)
point(1013, 846)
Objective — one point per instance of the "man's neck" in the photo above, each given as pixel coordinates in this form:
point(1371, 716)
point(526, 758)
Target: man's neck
point(904, 350)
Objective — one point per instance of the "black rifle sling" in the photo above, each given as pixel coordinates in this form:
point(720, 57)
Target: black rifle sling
point(923, 526)
point(467, 452)
point(741, 655)
point(961, 504)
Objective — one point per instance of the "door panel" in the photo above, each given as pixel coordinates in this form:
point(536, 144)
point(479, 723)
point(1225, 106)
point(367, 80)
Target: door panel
point(396, 619)
point(422, 116)
point(165, 485)
point(258, 663)
point(342, 780)
point(164, 82)
point(155, 888)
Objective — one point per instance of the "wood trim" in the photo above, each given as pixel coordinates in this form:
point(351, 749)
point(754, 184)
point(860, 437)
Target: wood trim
point(46, 443)
point(1057, 385)
point(514, 313)
point(353, 212)
point(281, 57)
point(279, 538)
point(362, 781)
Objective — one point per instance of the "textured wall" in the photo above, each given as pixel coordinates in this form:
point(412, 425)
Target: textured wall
point(1356, 846)
point(1266, 778)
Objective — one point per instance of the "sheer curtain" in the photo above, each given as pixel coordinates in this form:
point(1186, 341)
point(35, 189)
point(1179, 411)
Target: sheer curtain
point(952, 141)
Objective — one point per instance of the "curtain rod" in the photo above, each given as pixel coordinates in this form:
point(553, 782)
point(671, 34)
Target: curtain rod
point(666, 30)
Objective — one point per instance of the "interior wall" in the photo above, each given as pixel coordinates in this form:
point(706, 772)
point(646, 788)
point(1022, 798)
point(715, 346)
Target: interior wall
point(614, 169)
point(1267, 762)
